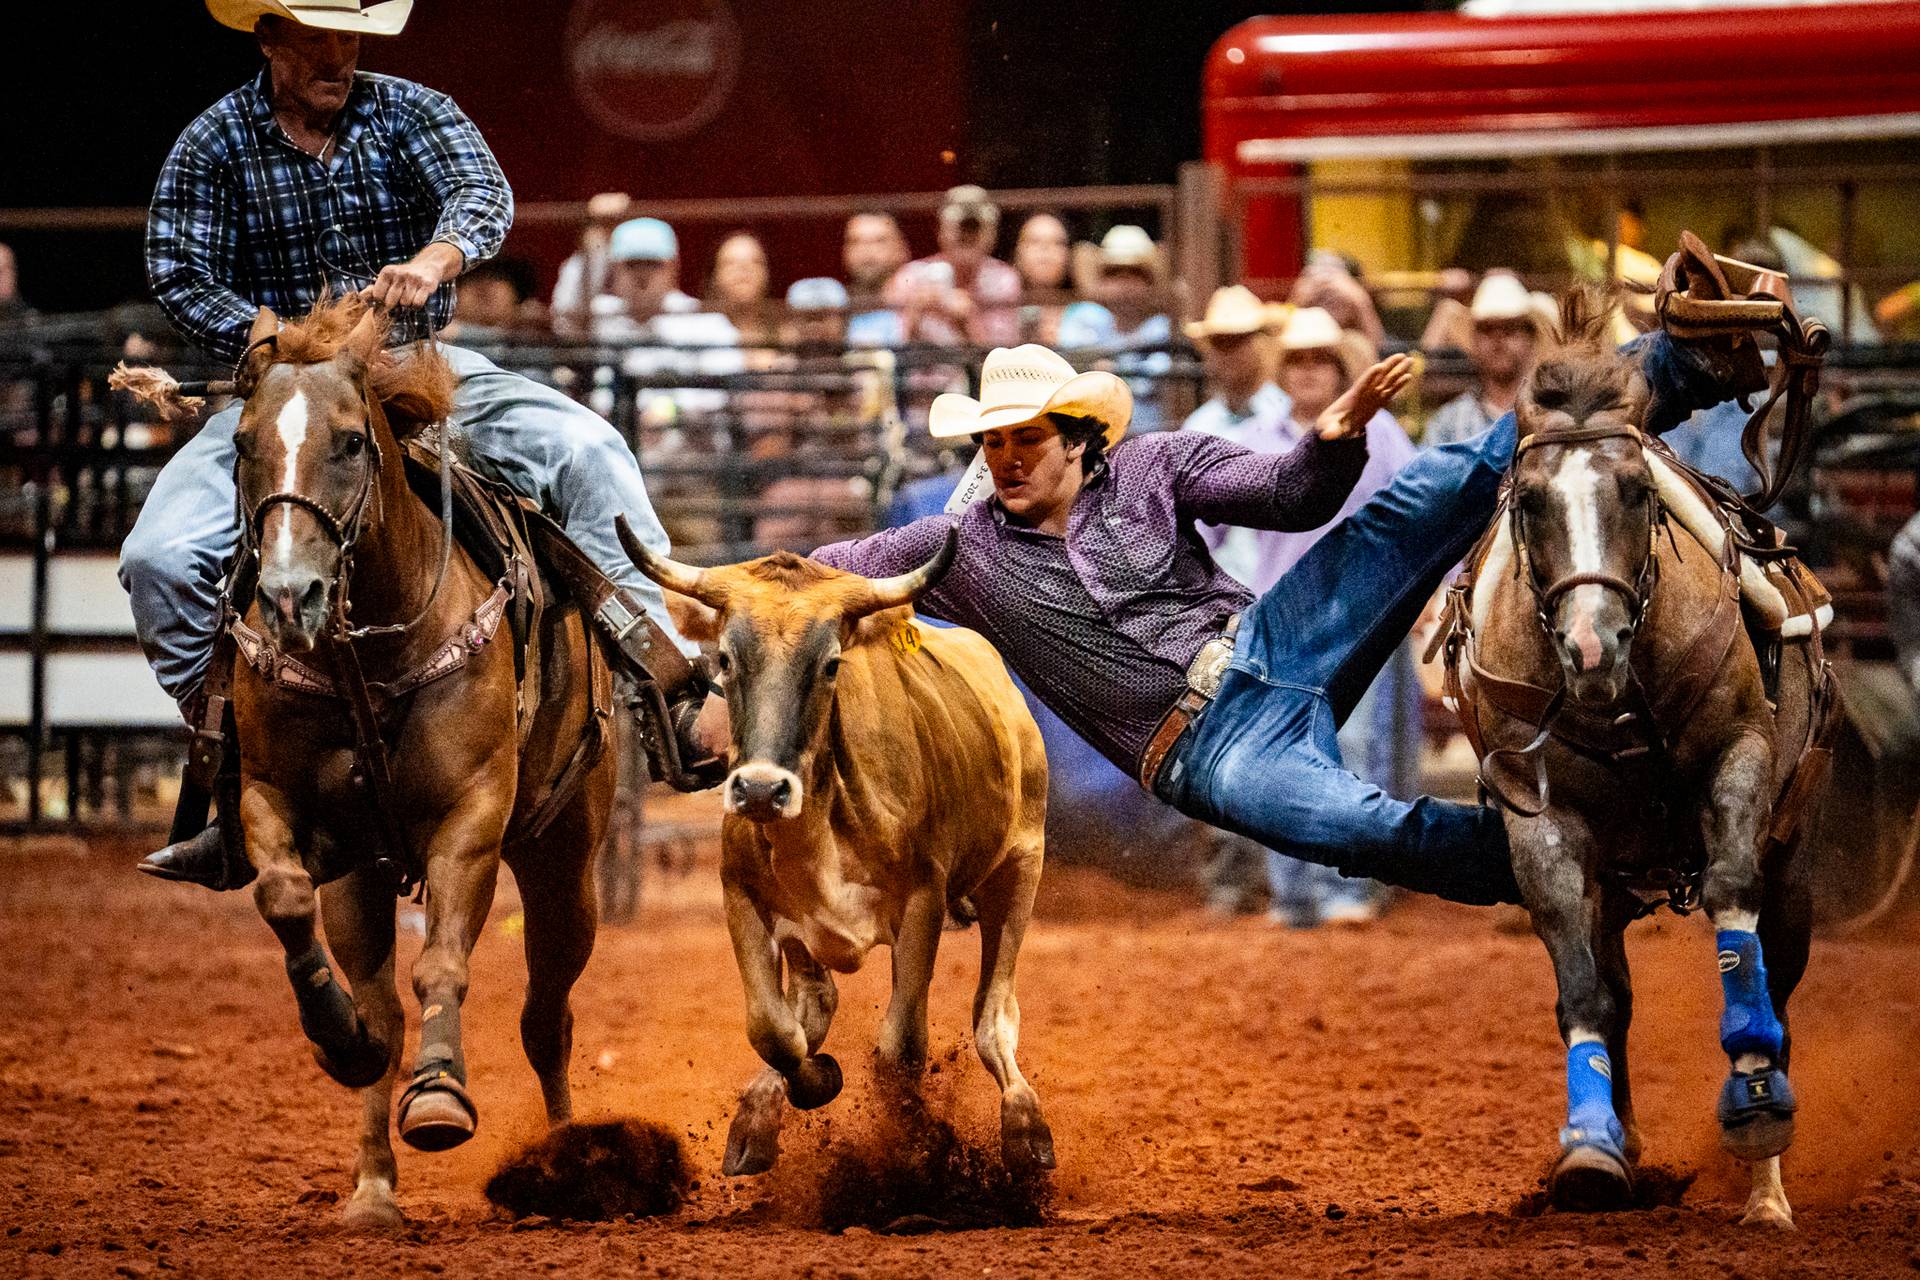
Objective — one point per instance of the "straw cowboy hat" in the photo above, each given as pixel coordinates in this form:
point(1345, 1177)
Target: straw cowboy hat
point(1501, 296)
point(1315, 329)
point(1236, 310)
point(1021, 384)
point(1124, 247)
point(382, 19)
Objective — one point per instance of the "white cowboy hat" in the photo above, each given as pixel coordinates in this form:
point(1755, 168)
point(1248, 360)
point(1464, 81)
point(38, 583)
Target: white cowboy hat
point(382, 19)
point(1315, 329)
point(1021, 384)
point(1124, 247)
point(1501, 296)
point(1236, 310)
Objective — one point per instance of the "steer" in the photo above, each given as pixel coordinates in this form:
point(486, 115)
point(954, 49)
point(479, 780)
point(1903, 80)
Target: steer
point(881, 771)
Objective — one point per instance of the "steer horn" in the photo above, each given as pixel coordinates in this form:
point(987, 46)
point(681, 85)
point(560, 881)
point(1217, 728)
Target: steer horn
point(905, 588)
point(671, 574)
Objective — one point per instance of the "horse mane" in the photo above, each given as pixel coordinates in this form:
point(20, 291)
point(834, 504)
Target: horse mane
point(415, 392)
point(1585, 373)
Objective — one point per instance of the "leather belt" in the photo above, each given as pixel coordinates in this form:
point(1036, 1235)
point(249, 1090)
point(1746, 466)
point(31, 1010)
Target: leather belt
point(1204, 674)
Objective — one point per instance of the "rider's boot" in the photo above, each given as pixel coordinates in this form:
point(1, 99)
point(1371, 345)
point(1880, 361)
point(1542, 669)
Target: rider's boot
point(215, 858)
point(667, 692)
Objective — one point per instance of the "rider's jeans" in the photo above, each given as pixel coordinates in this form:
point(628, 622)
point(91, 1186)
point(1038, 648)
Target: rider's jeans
point(530, 437)
point(1262, 760)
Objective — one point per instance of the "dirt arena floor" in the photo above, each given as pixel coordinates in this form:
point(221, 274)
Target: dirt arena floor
point(1228, 1099)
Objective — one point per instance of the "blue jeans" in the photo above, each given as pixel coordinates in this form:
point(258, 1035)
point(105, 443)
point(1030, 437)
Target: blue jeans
point(1263, 761)
point(527, 436)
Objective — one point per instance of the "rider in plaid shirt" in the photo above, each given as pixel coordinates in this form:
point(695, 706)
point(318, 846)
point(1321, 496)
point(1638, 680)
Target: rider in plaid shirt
point(244, 218)
point(316, 177)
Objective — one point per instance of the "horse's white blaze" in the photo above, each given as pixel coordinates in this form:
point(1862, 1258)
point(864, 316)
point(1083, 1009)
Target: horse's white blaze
point(1578, 485)
point(292, 428)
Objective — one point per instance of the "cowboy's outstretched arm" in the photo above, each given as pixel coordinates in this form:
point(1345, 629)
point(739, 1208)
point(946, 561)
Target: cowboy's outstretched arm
point(192, 238)
point(1220, 483)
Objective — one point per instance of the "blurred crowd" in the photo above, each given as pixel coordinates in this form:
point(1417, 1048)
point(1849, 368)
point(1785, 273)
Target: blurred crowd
point(772, 418)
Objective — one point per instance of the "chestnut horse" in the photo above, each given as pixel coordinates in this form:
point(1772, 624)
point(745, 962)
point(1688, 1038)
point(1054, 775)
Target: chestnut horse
point(1626, 725)
point(332, 521)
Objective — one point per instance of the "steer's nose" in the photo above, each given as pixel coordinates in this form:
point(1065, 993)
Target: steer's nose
point(762, 793)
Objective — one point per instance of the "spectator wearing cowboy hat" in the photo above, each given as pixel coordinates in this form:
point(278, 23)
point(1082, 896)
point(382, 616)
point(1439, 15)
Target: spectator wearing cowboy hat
point(583, 276)
point(1124, 316)
point(1506, 328)
point(1236, 339)
point(316, 176)
point(962, 293)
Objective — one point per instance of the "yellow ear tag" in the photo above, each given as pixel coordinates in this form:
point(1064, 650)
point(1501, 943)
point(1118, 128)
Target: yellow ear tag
point(905, 639)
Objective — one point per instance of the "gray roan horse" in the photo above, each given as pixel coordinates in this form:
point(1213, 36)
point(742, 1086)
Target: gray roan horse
point(1642, 751)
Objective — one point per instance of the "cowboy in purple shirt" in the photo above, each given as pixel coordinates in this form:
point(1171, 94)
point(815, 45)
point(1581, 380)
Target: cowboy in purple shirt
point(1084, 569)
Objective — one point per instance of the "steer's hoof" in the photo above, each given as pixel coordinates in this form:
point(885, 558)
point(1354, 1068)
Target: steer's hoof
point(1591, 1179)
point(359, 1065)
point(435, 1112)
point(753, 1139)
point(1027, 1145)
point(816, 1083)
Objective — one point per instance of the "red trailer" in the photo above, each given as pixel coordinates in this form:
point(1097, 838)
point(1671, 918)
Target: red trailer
point(1282, 95)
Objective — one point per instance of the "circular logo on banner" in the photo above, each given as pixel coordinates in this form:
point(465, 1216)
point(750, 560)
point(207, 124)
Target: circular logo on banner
point(652, 70)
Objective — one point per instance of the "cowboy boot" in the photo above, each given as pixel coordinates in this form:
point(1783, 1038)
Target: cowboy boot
point(216, 857)
point(666, 695)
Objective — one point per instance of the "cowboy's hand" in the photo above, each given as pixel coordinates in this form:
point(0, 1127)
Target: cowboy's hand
point(410, 284)
point(1373, 391)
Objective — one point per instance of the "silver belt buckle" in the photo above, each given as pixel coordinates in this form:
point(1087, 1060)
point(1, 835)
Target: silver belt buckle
point(1209, 666)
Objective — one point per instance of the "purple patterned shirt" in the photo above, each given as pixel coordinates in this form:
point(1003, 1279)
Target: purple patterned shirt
point(1102, 624)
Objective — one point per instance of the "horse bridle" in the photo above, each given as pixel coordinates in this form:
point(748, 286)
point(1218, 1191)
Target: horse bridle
point(1638, 592)
point(345, 532)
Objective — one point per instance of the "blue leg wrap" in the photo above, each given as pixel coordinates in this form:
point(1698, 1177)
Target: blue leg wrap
point(1591, 1121)
point(1748, 1024)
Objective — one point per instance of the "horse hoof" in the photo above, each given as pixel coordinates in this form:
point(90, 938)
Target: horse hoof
point(1756, 1114)
point(1591, 1179)
point(1759, 1137)
point(816, 1083)
point(359, 1066)
point(436, 1114)
point(372, 1215)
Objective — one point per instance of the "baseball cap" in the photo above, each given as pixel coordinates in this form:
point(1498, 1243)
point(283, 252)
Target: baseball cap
point(817, 293)
point(643, 240)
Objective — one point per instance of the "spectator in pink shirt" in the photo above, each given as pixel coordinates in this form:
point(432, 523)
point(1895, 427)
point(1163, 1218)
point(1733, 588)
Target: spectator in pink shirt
point(962, 294)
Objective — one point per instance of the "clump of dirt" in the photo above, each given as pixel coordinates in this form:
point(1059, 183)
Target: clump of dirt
point(594, 1172)
point(904, 1167)
point(1654, 1187)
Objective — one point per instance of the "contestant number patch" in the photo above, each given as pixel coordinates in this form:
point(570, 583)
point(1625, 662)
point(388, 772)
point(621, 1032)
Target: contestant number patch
point(905, 639)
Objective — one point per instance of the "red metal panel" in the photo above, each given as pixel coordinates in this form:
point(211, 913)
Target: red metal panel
point(1426, 74)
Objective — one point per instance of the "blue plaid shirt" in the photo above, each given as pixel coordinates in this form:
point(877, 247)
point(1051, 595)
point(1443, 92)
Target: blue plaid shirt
point(242, 218)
